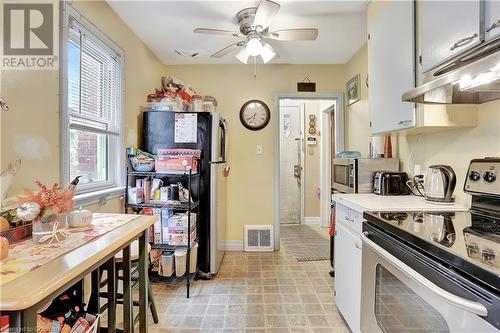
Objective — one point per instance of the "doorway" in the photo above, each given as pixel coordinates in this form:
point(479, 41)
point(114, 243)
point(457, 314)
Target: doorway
point(303, 130)
point(291, 118)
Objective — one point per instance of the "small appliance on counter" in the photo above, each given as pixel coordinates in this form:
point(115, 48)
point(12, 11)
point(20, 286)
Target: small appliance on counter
point(390, 183)
point(447, 262)
point(440, 184)
point(355, 175)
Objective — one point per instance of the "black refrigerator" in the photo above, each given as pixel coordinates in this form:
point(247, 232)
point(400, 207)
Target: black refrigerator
point(207, 132)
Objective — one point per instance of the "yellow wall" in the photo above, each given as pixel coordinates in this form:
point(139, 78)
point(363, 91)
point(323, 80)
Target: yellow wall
point(456, 147)
point(250, 184)
point(357, 115)
point(30, 130)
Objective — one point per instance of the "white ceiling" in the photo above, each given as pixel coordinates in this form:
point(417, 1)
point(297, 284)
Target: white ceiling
point(166, 26)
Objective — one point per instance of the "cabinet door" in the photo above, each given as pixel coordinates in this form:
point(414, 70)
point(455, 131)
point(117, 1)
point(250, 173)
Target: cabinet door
point(447, 28)
point(348, 276)
point(391, 70)
point(492, 19)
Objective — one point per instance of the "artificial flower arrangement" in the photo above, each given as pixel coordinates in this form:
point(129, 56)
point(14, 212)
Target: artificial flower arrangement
point(47, 209)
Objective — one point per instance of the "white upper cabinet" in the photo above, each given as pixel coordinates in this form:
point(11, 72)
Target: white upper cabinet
point(391, 60)
point(447, 28)
point(492, 19)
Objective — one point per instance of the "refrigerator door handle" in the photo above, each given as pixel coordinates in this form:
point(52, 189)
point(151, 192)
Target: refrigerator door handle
point(223, 143)
point(222, 124)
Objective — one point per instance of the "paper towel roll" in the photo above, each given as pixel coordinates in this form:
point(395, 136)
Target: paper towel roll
point(377, 146)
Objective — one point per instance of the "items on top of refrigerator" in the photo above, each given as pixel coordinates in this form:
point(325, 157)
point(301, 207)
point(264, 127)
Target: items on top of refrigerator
point(196, 103)
point(174, 95)
point(177, 160)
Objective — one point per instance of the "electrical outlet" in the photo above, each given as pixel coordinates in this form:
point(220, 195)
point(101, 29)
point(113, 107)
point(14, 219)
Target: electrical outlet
point(259, 150)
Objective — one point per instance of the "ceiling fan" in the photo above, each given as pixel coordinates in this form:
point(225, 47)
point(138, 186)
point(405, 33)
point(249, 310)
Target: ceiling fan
point(254, 28)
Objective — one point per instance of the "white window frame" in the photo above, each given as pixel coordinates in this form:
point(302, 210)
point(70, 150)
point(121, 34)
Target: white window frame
point(90, 193)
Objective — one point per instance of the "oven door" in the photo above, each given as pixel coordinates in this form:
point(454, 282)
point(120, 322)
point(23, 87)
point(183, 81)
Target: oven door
point(398, 298)
point(343, 175)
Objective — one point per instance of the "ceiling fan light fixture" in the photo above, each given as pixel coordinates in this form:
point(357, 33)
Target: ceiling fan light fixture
point(254, 47)
point(267, 53)
point(243, 55)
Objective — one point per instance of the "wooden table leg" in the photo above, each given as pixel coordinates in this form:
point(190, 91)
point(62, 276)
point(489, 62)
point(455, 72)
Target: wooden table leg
point(143, 287)
point(95, 301)
point(28, 320)
point(111, 295)
point(128, 320)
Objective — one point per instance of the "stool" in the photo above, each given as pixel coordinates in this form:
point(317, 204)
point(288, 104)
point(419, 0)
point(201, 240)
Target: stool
point(118, 267)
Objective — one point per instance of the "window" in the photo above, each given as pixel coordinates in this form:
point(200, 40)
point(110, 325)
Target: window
point(93, 106)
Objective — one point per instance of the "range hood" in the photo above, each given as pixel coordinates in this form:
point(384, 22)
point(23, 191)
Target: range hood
point(474, 78)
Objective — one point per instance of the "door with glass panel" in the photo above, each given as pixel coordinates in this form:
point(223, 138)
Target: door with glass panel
point(291, 123)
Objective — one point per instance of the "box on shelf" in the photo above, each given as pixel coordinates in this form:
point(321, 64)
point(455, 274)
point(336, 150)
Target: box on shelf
point(177, 160)
point(181, 220)
point(179, 237)
point(135, 195)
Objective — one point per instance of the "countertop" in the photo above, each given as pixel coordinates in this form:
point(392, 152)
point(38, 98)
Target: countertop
point(69, 267)
point(373, 202)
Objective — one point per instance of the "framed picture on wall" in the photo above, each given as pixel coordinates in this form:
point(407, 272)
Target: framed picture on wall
point(352, 88)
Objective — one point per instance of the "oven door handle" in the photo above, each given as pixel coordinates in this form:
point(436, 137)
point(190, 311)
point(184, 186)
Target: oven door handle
point(460, 302)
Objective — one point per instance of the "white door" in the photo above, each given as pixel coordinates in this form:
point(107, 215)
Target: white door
point(348, 276)
point(492, 19)
point(391, 61)
point(291, 162)
point(447, 28)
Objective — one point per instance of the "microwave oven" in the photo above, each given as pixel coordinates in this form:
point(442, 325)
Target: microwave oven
point(355, 175)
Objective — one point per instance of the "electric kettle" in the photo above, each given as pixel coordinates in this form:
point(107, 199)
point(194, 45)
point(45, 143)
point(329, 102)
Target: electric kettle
point(439, 184)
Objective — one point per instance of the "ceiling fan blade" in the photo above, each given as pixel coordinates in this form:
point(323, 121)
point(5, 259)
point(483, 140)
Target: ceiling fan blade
point(294, 34)
point(266, 11)
point(227, 49)
point(208, 31)
point(268, 53)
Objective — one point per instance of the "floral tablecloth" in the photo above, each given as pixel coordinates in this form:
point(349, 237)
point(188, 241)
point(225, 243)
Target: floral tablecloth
point(25, 257)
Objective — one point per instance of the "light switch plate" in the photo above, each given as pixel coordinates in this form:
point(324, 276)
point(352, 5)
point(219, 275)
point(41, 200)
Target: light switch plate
point(259, 150)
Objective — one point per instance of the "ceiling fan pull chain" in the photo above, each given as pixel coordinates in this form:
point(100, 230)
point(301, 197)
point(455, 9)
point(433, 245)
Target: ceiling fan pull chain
point(255, 67)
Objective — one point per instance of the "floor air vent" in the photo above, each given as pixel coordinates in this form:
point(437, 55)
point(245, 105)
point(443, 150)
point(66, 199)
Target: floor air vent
point(259, 238)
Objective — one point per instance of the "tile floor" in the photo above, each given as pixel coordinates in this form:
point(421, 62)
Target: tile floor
point(266, 292)
point(306, 242)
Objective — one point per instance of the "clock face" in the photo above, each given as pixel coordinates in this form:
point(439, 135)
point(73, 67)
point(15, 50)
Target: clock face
point(255, 115)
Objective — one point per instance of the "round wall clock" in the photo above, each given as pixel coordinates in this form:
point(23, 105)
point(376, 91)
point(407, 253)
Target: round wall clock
point(255, 115)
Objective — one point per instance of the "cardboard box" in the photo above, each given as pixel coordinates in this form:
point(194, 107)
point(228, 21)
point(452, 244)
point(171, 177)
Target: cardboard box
point(175, 164)
point(180, 238)
point(135, 195)
point(181, 220)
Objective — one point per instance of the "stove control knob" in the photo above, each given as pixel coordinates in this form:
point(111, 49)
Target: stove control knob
point(474, 176)
point(489, 177)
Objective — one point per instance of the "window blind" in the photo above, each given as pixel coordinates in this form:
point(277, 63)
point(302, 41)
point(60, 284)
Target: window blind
point(94, 83)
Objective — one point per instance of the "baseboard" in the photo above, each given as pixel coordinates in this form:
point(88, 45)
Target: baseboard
point(234, 245)
point(312, 220)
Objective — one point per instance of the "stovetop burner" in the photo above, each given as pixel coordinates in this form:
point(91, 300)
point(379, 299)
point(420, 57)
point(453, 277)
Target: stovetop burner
point(471, 236)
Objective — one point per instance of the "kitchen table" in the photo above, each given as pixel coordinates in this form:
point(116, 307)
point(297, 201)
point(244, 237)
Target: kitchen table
point(21, 297)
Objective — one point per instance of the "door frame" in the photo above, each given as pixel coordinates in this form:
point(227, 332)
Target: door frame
point(325, 198)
